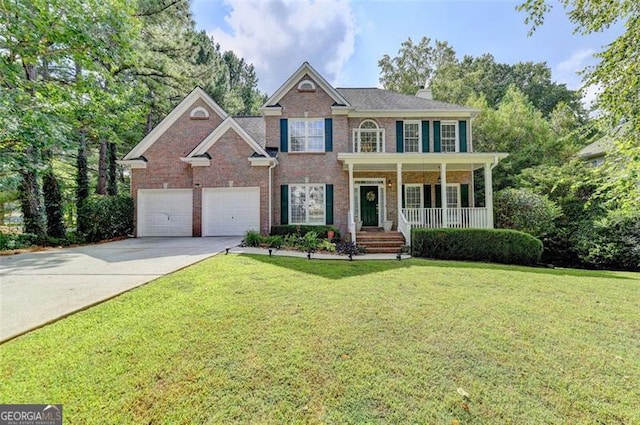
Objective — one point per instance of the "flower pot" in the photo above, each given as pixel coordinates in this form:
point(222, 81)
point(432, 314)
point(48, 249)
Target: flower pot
point(331, 234)
point(387, 224)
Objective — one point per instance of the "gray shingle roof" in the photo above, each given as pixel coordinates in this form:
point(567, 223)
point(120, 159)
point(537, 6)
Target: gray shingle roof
point(380, 99)
point(254, 126)
point(598, 148)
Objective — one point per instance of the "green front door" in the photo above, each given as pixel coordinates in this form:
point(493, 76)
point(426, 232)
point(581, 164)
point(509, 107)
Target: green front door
point(369, 205)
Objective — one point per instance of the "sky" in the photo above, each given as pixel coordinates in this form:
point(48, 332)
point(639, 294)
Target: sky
point(344, 40)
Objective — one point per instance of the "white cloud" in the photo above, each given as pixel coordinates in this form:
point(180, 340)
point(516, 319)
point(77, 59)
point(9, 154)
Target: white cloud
point(278, 35)
point(568, 72)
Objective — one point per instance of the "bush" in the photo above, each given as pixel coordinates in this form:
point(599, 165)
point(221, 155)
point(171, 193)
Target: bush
point(17, 240)
point(524, 210)
point(301, 230)
point(610, 243)
point(253, 238)
point(491, 245)
point(107, 217)
point(275, 241)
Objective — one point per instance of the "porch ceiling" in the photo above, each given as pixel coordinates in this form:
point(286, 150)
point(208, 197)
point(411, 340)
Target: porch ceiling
point(418, 161)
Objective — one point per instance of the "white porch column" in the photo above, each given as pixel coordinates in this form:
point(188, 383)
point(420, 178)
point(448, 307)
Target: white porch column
point(488, 193)
point(351, 225)
point(443, 194)
point(399, 185)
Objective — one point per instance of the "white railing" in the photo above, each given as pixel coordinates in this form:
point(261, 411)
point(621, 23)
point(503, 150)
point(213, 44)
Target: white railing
point(404, 227)
point(368, 140)
point(456, 217)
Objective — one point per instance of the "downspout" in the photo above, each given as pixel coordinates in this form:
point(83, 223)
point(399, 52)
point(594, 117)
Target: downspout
point(271, 167)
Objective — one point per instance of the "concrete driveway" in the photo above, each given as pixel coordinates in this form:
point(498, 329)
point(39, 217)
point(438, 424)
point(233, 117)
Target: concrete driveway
point(40, 287)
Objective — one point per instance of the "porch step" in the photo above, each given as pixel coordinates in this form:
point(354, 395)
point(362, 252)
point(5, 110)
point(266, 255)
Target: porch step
point(380, 242)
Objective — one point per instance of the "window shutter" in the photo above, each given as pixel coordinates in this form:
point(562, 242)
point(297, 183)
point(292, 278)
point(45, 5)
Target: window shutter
point(436, 136)
point(403, 195)
point(328, 134)
point(399, 136)
point(462, 134)
point(328, 198)
point(284, 204)
point(464, 195)
point(425, 136)
point(438, 196)
point(427, 196)
point(284, 135)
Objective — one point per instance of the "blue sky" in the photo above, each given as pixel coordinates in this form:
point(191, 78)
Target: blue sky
point(344, 40)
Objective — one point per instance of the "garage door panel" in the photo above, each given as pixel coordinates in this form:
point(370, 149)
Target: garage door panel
point(230, 211)
point(165, 212)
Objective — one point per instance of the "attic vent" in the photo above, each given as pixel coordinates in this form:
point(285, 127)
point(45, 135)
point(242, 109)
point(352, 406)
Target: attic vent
point(199, 113)
point(306, 85)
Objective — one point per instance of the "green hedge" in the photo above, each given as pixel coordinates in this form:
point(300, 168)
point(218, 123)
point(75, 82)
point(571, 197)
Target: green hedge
point(107, 217)
point(490, 245)
point(287, 229)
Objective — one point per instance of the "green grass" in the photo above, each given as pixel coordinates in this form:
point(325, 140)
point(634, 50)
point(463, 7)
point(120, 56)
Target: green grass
point(254, 339)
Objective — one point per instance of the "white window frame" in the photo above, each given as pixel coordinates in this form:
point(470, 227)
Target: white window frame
point(457, 136)
point(404, 135)
point(357, 137)
point(306, 85)
point(306, 121)
point(420, 192)
point(453, 217)
point(307, 187)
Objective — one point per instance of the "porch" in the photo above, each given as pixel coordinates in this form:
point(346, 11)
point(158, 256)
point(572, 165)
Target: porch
point(417, 190)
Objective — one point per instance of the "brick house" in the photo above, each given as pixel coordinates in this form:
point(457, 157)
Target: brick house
point(357, 158)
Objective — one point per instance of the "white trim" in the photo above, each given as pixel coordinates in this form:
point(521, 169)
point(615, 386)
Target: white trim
point(420, 187)
point(197, 162)
point(271, 111)
point(173, 116)
point(132, 163)
point(307, 69)
point(421, 158)
point(263, 162)
point(382, 195)
point(306, 121)
point(404, 135)
point(312, 86)
point(306, 199)
point(197, 110)
point(228, 124)
point(422, 114)
point(356, 135)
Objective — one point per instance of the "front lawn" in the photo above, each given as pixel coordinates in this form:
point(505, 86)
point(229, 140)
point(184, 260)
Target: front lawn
point(255, 339)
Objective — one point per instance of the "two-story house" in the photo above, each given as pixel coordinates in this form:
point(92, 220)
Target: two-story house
point(357, 158)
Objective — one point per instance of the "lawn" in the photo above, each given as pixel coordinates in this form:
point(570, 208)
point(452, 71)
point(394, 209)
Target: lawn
point(255, 339)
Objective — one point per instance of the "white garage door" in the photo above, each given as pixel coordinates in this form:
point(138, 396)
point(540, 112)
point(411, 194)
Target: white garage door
point(230, 211)
point(165, 212)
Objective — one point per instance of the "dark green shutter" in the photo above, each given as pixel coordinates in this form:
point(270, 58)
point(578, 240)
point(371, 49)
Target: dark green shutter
point(436, 137)
point(328, 134)
point(464, 195)
point(462, 134)
point(438, 196)
point(329, 203)
point(284, 204)
point(399, 136)
point(284, 135)
point(403, 203)
point(425, 136)
point(427, 196)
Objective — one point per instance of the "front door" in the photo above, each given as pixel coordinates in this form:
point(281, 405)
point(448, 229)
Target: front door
point(369, 205)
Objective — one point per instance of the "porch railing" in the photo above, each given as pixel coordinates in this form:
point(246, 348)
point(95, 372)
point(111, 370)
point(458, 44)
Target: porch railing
point(404, 227)
point(456, 217)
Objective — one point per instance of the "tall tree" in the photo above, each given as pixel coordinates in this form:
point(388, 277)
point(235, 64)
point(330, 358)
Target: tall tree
point(618, 74)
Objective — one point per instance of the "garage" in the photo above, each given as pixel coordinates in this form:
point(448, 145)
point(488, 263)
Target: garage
point(230, 211)
point(165, 212)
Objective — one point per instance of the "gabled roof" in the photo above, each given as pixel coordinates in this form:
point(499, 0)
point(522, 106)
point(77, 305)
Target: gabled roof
point(176, 113)
point(255, 127)
point(228, 124)
point(375, 99)
point(307, 69)
point(598, 148)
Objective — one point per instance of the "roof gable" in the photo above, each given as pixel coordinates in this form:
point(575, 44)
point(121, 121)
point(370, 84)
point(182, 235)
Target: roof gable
point(228, 124)
point(177, 112)
point(305, 68)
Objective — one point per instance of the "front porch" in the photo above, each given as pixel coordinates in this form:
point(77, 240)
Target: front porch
point(403, 191)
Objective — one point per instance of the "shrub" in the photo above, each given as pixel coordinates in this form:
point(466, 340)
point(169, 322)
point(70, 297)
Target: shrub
point(491, 245)
point(275, 241)
point(301, 230)
point(253, 238)
point(349, 248)
point(524, 210)
point(309, 242)
point(17, 240)
point(326, 245)
point(107, 217)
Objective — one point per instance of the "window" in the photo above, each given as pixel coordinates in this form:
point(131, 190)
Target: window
point(453, 203)
point(413, 196)
point(449, 137)
point(412, 136)
point(199, 113)
point(368, 137)
point(306, 85)
point(307, 204)
point(306, 135)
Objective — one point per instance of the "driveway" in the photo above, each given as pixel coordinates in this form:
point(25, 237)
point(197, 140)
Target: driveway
point(40, 287)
